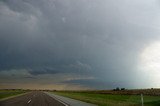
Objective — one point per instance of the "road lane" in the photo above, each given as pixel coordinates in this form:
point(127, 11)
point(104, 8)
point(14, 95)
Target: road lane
point(36, 98)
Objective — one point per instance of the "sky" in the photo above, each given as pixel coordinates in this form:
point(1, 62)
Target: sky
point(79, 44)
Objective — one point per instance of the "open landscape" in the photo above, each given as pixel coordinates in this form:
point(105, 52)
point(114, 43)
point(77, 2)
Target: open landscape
point(79, 52)
point(151, 97)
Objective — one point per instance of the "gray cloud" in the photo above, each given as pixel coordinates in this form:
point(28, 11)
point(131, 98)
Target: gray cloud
point(102, 39)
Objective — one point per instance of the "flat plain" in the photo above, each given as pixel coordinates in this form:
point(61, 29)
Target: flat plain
point(151, 97)
point(116, 98)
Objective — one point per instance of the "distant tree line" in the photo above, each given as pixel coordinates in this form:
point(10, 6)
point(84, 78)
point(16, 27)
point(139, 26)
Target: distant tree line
point(118, 89)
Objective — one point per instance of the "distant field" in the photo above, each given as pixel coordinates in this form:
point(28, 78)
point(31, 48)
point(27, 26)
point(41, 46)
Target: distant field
point(116, 99)
point(9, 93)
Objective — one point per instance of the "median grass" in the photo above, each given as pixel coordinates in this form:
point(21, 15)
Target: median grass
point(112, 99)
point(9, 93)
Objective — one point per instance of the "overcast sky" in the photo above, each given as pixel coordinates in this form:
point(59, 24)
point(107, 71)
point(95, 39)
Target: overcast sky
point(79, 44)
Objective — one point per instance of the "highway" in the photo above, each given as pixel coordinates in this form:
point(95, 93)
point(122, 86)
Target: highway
point(36, 98)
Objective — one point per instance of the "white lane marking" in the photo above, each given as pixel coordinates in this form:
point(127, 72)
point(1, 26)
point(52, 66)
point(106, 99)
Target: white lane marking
point(29, 101)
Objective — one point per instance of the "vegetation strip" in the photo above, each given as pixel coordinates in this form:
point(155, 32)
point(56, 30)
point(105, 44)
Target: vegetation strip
point(112, 100)
point(7, 94)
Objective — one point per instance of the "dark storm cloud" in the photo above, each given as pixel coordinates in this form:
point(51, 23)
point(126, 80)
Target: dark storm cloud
point(88, 37)
point(52, 42)
point(77, 67)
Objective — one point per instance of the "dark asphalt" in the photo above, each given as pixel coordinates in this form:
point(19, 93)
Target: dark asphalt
point(36, 98)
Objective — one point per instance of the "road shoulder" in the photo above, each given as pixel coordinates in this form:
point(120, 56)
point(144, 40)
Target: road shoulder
point(69, 101)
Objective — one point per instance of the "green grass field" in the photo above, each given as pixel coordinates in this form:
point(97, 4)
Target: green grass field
point(9, 93)
point(112, 100)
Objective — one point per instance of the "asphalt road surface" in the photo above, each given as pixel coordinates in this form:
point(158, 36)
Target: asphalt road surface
point(36, 98)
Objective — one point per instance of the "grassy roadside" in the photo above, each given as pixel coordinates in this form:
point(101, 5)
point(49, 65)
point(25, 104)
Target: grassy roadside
point(112, 100)
point(10, 93)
